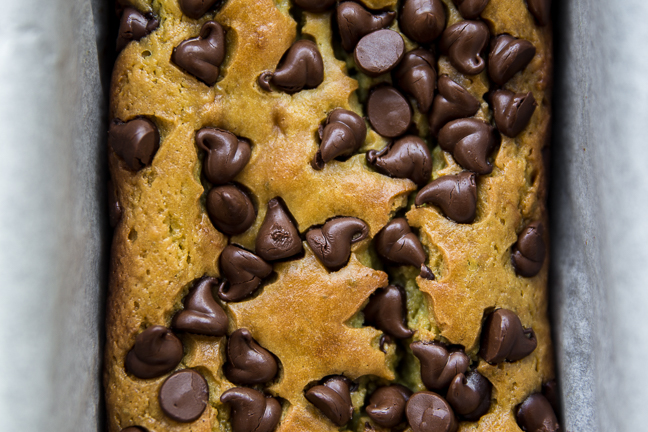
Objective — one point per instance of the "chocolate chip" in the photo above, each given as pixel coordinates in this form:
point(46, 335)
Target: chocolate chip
point(230, 209)
point(196, 8)
point(541, 10)
point(301, 68)
point(388, 111)
point(464, 43)
point(439, 365)
point(387, 405)
point(529, 251)
point(248, 363)
point(387, 311)
point(156, 351)
point(344, 134)
point(399, 245)
point(470, 9)
point(333, 398)
point(379, 52)
point(550, 391)
point(183, 396)
point(135, 141)
point(226, 156)
point(429, 412)
point(201, 314)
point(455, 194)
point(133, 26)
point(453, 102)
point(470, 141)
point(134, 429)
point(332, 242)
point(278, 237)
point(508, 56)
point(354, 22)
point(202, 56)
point(417, 77)
point(422, 20)
point(408, 157)
point(243, 271)
point(114, 207)
point(251, 410)
point(504, 338)
point(315, 5)
point(512, 112)
point(536, 415)
point(470, 395)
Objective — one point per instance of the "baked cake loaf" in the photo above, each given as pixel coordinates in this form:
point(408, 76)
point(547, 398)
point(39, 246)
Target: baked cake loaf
point(330, 216)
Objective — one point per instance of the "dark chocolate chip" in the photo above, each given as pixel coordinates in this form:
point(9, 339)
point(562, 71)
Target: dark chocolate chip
point(196, 8)
point(134, 429)
point(422, 20)
point(512, 112)
point(470, 141)
point(354, 22)
point(470, 9)
point(332, 242)
point(251, 410)
point(278, 237)
point(429, 412)
point(504, 338)
point(315, 5)
point(464, 43)
point(114, 207)
point(230, 209)
point(156, 351)
point(133, 26)
point(399, 245)
point(455, 194)
point(529, 251)
point(387, 405)
point(388, 111)
point(183, 396)
point(243, 271)
point(439, 365)
point(379, 52)
point(202, 56)
point(387, 311)
point(508, 56)
point(550, 391)
point(248, 363)
point(453, 102)
point(333, 398)
point(301, 68)
point(201, 314)
point(541, 10)
point(409, 157)
point(344, 134)
point(226, 156)
point(135, 141)
point(417, 77)
point(536, 415)
point(470, 395)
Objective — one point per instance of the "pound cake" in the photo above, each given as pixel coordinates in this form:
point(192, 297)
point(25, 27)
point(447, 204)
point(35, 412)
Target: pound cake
point(330, 216)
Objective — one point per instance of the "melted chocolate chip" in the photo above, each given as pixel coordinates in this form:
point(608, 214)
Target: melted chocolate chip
point(453, 102)
point(315, 5)
point(114, 207)
point(508, 56)
point(504, 338)
point(438, 365)
point(408, 157)
point(387, 311)
point(417, 77)
point(196, 8)
point(470, 9)
point(243, 271)
point(379, 52)
point(133, 26)
point(387, 405)
point(248, 362)
point(470, 395)
point(301, 68)
point(251, 411)
point(455, 194)
point(332, 242)
point(156, 351)
point(388, 111)
point(333, 398)
point(354, 22)
point(529, 252)
point(134, 429)
point(429, 412)
point(536, 415)
point(344, 134)
point(135, 141)
point(550, 391)
point(470, 141)
point(230, 209)
point(202, 56)
point(399, 245)
point(183, 396)
point(422, 20)
point(464, 43)
point(512, 112)
point(201, 314)
point(278, 237)
point(541, 10)
point(226, 156)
